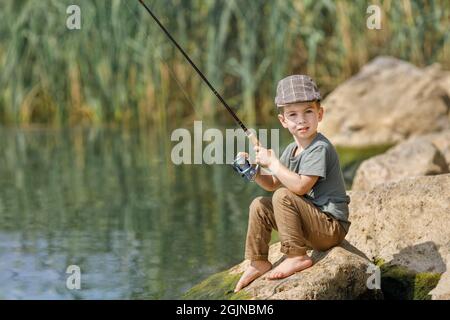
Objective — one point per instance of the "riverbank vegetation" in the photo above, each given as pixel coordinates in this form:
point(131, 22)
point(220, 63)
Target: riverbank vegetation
point(121, 70)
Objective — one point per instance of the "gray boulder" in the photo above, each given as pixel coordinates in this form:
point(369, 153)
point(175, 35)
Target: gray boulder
point(405, 223)
point(388, 101)
point(418, 156)
point(339, 273)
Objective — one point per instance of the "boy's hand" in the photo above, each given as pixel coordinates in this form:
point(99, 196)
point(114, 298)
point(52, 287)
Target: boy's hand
point(245, 154)
point(265, 157)
point(242, 154)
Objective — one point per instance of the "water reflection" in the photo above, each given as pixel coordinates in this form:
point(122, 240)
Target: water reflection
point(113, 204)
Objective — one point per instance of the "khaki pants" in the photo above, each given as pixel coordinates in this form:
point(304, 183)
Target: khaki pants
point(300, 225)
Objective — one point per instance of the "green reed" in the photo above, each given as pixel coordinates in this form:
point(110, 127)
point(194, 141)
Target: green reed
point(119, 69)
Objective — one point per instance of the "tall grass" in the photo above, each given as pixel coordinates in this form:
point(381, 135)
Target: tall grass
point(120, 69)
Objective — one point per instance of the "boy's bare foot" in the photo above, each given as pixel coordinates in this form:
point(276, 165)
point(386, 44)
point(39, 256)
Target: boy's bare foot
point(255, 270)
point(289, 266)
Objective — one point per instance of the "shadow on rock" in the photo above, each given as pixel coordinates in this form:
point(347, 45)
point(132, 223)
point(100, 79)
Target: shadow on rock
point(412, 273)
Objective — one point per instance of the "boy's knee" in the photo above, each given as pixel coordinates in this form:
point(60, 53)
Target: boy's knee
point(281, 196)
point(257, 204)
point(258, 208)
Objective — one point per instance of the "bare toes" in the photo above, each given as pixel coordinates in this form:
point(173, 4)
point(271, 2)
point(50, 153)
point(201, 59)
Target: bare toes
point(274, 275)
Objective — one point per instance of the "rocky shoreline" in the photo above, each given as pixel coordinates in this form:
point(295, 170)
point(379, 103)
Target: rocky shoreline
point(400, 199)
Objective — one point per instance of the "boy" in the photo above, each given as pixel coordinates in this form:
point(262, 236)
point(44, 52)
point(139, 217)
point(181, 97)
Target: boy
point(310, 206)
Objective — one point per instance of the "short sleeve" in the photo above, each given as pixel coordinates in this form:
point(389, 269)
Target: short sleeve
point(284, 158)
point(314, 163)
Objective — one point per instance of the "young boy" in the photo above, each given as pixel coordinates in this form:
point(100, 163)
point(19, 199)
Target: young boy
point(310, 206)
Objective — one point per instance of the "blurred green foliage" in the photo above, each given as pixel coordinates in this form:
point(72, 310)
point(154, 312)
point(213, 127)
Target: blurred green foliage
point(119, 69)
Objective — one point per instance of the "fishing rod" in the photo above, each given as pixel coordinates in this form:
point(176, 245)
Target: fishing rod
point(249, 134)
point(240, 164)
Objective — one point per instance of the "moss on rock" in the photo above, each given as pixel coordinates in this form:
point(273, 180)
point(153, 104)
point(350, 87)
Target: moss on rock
point(400, 283)
point(397, 283)
point(351, 157)
point(424, 283)
point(219, 286)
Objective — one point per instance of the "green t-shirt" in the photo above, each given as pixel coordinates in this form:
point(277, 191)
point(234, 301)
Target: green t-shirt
point(320, 158)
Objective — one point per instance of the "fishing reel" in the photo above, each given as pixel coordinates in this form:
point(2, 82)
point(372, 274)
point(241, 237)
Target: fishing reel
point(243, 167)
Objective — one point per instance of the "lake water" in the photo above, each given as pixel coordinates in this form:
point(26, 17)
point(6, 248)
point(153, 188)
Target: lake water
point(113, 204)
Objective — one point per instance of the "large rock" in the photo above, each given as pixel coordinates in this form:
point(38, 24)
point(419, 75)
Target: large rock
point(441, 141)
point(339, 273)
point(388, 101)
point(442, 290)
point(418, 156)
point(404, 223)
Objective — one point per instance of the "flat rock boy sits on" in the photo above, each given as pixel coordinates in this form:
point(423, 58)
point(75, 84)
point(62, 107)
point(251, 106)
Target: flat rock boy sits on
point(310, 206)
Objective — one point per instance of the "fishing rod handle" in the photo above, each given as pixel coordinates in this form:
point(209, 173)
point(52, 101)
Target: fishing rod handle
point(253, 139)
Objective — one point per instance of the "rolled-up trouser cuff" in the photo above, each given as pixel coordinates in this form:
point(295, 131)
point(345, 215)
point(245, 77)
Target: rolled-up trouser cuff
point(288, 247)
point(256, 257)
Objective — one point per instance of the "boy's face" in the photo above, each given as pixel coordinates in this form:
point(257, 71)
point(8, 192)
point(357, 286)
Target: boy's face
point(301, 119)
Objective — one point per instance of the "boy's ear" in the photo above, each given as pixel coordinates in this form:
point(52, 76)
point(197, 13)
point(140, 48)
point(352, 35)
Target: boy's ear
point(321, 111)
point(282, 120)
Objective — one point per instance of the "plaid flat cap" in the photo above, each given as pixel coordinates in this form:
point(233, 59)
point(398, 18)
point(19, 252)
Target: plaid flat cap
point(296, 88)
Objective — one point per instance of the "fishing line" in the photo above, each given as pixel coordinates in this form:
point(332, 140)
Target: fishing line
point(241, 164)
point(250, 135)
point(171, 72)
